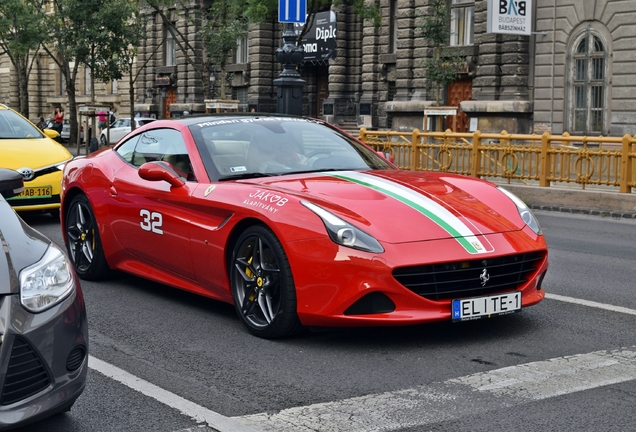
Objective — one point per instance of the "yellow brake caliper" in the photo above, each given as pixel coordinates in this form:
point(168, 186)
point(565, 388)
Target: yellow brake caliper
point(249, 274)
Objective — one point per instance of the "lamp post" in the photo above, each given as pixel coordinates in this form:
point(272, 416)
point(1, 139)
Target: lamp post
point(289, 97)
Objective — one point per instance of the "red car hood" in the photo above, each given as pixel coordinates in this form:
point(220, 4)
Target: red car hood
point(405, 206)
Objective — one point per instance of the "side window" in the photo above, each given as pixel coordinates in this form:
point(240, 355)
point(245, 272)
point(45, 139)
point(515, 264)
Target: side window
point(164, 145)
point(127, 150)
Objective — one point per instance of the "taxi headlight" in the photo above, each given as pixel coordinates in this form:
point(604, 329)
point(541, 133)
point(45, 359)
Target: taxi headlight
point(524, 211)
point(47, 282)
point(343, 233)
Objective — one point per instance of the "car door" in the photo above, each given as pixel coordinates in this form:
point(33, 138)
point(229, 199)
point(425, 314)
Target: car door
point(150, 219)
point(119, 129)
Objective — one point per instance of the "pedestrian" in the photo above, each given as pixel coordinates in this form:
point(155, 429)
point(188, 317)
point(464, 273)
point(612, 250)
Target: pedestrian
point(58, 117)
point(41, 124)
point(102, 116)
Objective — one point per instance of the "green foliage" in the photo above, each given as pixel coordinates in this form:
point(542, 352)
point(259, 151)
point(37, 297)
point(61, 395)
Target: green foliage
point(20, 36)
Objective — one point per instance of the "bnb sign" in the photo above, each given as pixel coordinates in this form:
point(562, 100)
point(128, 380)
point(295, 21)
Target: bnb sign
point(510, 17)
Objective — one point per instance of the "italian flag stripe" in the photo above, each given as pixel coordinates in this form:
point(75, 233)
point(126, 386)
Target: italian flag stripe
point(429, 208)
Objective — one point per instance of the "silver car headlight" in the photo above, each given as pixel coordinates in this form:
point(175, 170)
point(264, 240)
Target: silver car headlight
point(343, 233)
point(524, 211)
point(47, 282)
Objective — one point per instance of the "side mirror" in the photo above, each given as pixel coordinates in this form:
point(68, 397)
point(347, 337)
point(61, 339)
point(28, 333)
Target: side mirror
point(11, 183)
point(51, 133)
point(158, 171)
point(388, 156)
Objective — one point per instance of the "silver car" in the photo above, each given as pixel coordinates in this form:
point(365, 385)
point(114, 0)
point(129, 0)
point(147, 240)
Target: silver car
point(43, 326)
point(119, 128)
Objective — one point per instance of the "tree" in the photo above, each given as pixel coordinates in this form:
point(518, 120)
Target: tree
point(94, 33)
point(439, 69)
point(20, 37)
point(223, 22)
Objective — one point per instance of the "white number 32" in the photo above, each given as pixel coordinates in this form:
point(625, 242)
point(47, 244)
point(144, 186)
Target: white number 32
point(151, 221)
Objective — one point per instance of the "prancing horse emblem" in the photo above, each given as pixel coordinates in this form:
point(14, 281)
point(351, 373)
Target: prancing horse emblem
point(484, 277)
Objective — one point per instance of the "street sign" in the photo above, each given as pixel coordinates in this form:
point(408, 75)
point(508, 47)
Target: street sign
point(292, 11)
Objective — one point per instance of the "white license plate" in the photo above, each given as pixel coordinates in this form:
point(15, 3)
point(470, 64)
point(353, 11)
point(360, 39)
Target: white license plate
point(483, 307)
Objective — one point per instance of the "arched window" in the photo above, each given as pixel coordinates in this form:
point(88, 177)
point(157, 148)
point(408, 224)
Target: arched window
point(588, 84)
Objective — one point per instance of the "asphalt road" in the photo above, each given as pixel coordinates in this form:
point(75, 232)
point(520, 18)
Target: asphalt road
point(165, 360)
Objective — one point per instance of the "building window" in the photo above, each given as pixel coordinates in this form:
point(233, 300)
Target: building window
point(241, 49)
point(462, 22)
point(114, 86)
point(588, 83)
point(171, 48)
point(393, 26)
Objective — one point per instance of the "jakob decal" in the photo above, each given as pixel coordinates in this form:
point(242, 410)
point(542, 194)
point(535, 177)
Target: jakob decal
point(265, 200)
point(268, 197)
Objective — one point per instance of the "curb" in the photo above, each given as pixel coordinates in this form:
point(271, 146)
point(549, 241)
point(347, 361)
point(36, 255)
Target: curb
point(604, 203)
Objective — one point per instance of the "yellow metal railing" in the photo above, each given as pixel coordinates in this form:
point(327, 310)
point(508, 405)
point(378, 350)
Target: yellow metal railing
point(543, 159)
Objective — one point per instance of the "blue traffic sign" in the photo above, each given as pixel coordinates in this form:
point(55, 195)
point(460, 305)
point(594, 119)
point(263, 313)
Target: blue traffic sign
point(292, 11)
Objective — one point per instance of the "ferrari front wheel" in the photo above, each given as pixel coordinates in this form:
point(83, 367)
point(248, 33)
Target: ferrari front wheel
point(83, 242)
point(263, 286)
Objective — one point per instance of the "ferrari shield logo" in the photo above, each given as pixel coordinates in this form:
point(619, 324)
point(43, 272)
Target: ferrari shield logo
point(209, 190)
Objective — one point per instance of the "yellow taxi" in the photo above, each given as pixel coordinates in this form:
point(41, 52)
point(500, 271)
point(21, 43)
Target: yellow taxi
point(35, 155)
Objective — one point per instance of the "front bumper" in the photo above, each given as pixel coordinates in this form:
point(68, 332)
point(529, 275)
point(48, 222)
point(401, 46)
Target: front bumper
point(334, 283)
point(43, 359)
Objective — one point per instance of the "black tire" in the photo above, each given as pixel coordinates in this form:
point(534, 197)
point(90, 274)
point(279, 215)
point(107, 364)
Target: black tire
point(102, 141)
point(263, 286)
point(82, 241)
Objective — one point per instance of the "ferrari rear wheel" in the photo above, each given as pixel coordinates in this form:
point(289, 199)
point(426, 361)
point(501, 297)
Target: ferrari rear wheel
point(83, 242)
point(263, 286)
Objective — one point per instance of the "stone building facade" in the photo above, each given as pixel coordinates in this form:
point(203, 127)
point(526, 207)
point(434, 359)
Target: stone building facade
point(572, 73)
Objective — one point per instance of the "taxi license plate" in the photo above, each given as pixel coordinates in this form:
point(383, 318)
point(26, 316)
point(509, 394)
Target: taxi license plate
point(487, 306)
point(36, 192)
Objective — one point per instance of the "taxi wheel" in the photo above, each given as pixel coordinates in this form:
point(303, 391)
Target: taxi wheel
point(263, 286)
point(83, 242)
point(102, 141)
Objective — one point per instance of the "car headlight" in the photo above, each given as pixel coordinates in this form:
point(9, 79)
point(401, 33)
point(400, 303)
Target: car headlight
point(524, 211)
point(343, 233)
point(47, 282)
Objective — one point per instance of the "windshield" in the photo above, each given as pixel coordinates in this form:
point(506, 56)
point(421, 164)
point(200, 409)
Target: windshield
point(14, 126)
point(248, 147)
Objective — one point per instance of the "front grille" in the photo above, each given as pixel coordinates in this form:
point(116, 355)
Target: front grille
point(463, 278)
point(25, 376)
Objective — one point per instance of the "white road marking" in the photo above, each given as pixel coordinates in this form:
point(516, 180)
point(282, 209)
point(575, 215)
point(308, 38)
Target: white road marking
point(591, 304)
point(456, 398)
point(197, 412)
point(422, 405)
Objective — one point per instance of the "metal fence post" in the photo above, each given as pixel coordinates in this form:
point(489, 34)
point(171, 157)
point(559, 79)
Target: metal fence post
point(545, 160)
point(476, 153)
point(414, 140)
point(625, 165)
point(363, 134)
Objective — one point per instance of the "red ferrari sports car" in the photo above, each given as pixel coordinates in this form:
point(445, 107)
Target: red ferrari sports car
point(299, 224)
